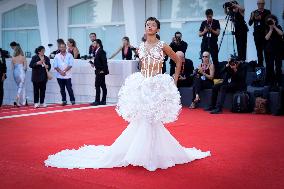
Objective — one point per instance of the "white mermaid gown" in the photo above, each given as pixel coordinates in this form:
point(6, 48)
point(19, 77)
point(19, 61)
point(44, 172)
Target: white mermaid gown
point(146, 102)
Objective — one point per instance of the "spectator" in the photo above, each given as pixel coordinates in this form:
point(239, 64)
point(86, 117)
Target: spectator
point(59, 42)
point(177, 44)
point(273, 51)
point(234, 80)
point(203, 78)
point(185, 79)
point(3, 70)
point(19, 68)
point(63, 63)
point(209, 31)
point(257, 18)
point(92, 49)
point(126, 50)
point(39, 64)
point(72, 48)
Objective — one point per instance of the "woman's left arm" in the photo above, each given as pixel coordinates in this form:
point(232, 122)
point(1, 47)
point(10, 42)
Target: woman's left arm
point(25, 64)
point(168, 50)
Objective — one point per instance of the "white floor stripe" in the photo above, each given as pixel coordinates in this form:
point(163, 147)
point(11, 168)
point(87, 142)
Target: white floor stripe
point(54, 111)
point(32, 108)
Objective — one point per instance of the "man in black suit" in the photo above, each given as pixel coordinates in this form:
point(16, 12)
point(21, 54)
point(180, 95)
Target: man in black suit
point(185, 78)
point(100, 64)
point(257, 18)
point(3, 70)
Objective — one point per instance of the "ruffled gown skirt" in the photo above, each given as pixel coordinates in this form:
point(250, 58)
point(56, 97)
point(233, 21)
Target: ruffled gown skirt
point(146, 103)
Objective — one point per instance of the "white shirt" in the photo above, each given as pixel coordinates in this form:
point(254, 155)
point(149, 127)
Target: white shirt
point(63, 62)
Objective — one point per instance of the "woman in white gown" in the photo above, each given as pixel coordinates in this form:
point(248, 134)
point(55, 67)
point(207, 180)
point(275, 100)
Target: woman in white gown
point(147, 100)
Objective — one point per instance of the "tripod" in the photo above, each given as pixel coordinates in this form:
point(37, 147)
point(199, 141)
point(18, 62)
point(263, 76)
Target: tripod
point(227, 18)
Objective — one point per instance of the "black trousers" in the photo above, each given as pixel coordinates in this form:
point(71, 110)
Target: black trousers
point(199, 84)
point(222, 89)
point(39, 91)
point(100, 83)
point(185, 83)
point(273, 67)
point(259, 41)
point(213, 49)
point(241, 41)
point(66, 83)
point(1, 91)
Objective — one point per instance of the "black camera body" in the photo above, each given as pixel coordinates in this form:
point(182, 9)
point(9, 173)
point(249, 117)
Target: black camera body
point(256, 13)
point(269, 22)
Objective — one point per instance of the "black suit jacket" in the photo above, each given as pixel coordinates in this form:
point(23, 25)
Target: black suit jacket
point(188, 68)
point(3, 67)
point(38, 72)
point(100, 62)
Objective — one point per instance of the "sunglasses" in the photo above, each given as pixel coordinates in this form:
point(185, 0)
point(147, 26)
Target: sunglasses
point(260, 3)
point(204, 56)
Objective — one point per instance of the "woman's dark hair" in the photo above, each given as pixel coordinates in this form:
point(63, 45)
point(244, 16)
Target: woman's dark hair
point(272, 17)
point(37, 50)
point(209, 12)
point(126, 39)
point(72, 41)
point(100, 43)
point(14, 43)
point(155, 20)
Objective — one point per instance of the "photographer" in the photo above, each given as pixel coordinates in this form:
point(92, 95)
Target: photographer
point(202, 78)
point(236, 13)
point(177, 44)
point(3, 69)
point(234, 80)
point(257, 18)
point(273, 51)
point(210, 30)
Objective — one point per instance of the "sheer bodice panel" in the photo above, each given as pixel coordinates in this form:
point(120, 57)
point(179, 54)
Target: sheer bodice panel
point(151, 59)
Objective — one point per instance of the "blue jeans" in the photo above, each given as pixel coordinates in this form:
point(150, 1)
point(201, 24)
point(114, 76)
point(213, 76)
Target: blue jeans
point(66, 83)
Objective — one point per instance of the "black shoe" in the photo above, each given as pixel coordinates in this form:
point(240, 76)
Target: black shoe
point(73, 102)
point(103, 103)
point(216, 111)
point(96, 103)
point(209, 108)
point(64, 103)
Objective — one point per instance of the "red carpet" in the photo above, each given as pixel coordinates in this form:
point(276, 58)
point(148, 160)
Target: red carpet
point(247, 151)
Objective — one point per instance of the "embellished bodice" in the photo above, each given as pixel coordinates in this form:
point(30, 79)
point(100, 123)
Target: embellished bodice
point(151, 58)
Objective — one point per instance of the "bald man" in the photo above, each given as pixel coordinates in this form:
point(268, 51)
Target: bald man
point(185, 79)
point(257, 18)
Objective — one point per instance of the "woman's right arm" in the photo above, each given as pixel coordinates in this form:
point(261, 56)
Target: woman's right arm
point(116, 52)
point(34, 62)
point(268, 35)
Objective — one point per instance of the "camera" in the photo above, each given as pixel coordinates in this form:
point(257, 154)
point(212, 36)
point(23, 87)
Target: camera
point(256, 13)
point(228, 7)
point(270, 22)
point(195, 73)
